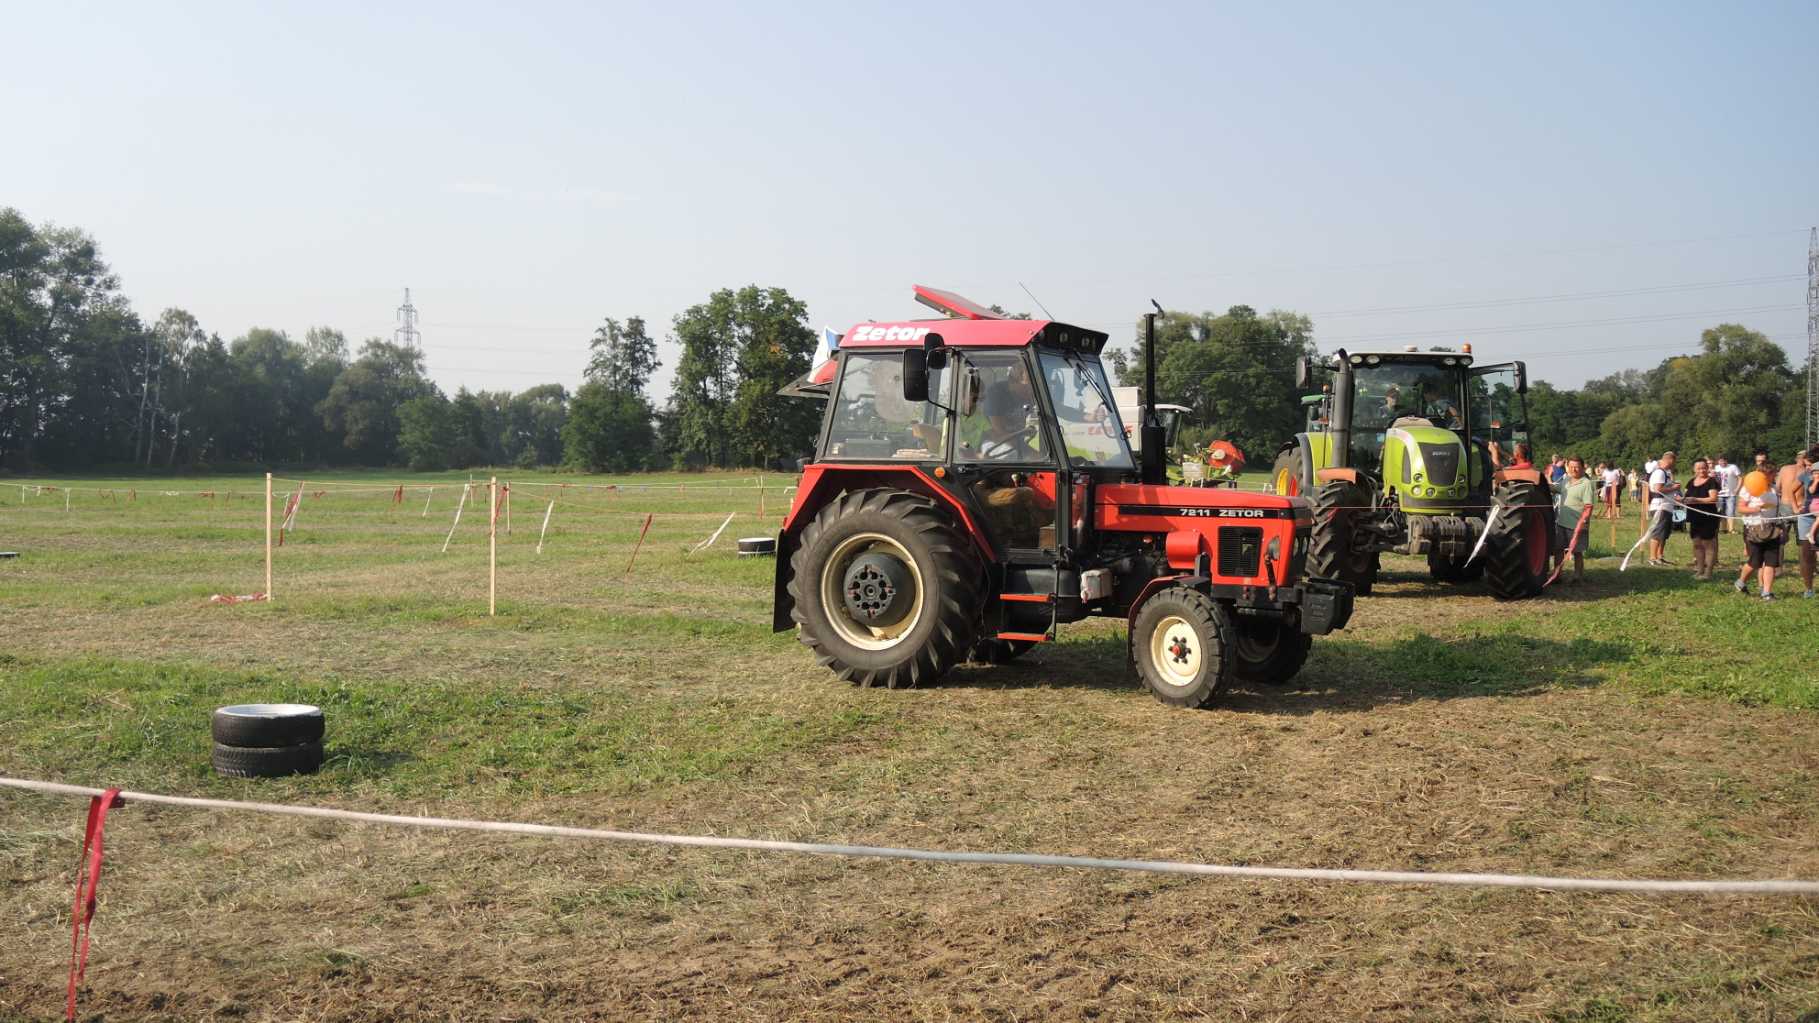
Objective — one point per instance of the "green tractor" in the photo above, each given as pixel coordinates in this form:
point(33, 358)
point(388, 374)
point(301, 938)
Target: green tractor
point(1396, 457)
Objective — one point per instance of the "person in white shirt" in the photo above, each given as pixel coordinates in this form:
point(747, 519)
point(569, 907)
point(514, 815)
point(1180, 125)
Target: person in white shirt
point(1661, 492)
point(1765, 554)
point(1729, 480)
point(1612, 478)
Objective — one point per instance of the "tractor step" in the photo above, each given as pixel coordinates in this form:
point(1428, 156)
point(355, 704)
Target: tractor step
point(1028, 598)
point(1027, 637)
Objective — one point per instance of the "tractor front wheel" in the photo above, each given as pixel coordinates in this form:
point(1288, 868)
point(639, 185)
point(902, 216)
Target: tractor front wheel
point(886, 589)
point(1516, 553)
point(1181, 644)
point(1268, 650)
point(1339, 508)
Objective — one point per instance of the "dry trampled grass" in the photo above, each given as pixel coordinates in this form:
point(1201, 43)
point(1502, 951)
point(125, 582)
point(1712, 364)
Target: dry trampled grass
point(1442, 731)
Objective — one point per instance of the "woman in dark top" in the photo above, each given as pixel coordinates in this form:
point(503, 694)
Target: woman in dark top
point(1701, 499)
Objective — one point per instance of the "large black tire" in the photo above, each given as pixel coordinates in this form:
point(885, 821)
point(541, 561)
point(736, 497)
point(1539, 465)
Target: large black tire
point(273, 762)
point(1338, 508)
point(1516, 553)
point(1454, 570)
point(1000, 651)
point(906, 644)
point(1267, 650)
point(266, 725)
point(1181, 644)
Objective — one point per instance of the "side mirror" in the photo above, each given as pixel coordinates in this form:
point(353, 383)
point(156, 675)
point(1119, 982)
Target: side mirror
point(1302, 373)
point(933, 350)
point(1521, 378)
point(915, 375)
point(967, 398)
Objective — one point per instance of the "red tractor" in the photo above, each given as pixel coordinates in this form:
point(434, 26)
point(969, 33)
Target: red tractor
point(972, 489)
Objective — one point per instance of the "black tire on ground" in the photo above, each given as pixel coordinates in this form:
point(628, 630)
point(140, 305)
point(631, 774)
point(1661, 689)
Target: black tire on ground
point(1268, 651)
point(1516, 553)
point(1285, 475)
point(912, 642)
point(267, 762)
point(758, 545)
point(1000, 651)
point(266, 725)
point(1454, 570)
point(1181, 644)
point(1338, 509)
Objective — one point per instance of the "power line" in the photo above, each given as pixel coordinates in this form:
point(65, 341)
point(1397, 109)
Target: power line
point(1560, 325)
point(1492, 303)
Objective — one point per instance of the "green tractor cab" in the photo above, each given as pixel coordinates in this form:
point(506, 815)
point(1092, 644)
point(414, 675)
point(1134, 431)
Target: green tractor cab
point(1396, 458)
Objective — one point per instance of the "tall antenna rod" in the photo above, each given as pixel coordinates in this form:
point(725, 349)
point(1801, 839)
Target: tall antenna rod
point(1812, 338)
point(406, 335)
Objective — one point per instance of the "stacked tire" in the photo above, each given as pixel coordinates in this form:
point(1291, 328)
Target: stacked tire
point(267, 740)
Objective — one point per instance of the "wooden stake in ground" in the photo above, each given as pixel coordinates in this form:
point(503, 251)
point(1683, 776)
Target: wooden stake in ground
point(492, 548)
point(427, 498)
point(268, 537)
point(635, 548)
point(508, 509)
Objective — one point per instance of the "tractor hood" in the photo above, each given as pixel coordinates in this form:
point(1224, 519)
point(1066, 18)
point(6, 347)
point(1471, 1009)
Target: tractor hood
point(1425, 461)
point(1123, 500)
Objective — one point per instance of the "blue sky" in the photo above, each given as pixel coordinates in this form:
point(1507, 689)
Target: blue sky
point(528, 172)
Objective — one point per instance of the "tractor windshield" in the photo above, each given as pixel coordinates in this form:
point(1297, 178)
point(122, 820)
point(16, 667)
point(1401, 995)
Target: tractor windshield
point(1393, 390)
point(1087, 415)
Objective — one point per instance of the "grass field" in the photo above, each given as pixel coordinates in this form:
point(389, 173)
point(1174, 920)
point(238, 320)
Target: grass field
point(1640, 725)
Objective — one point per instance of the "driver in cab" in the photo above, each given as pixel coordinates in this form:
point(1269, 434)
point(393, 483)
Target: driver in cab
point(1006, 404)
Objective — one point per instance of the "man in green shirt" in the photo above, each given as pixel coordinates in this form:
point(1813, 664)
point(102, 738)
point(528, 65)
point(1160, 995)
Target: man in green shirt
point(1575, 493)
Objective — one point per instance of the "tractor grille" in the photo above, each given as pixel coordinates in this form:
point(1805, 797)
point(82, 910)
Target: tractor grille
point(1442, 462)
point(1240, 550)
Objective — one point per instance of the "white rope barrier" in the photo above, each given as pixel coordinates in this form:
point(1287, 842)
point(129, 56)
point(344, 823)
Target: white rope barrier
point(1411, 877)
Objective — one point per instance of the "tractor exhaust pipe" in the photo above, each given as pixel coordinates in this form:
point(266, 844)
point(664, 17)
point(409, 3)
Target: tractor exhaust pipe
point(1154, 467)
point(1341, 426)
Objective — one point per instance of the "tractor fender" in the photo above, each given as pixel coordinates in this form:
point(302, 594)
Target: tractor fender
point(1160, 582)
point(822, 483)
point(1329, 475)
point(1524, 475)
point(1306, 445)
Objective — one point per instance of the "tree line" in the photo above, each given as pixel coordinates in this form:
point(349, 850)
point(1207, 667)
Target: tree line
point(85, 383)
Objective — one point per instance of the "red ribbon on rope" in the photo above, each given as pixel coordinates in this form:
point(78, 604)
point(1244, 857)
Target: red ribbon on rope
point(88, 888)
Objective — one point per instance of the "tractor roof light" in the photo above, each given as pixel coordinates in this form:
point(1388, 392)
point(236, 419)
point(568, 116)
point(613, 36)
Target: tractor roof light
point(1357, 360)
point(1372, 360)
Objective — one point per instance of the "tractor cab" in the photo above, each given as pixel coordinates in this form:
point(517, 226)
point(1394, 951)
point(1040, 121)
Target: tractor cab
point(1407, 414)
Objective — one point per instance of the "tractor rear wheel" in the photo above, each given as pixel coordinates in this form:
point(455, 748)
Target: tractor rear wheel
point(1516, 553)
point(1181, 643)
point(1339, 508)
point(886, 589)
point(1268, 651)
point(1446, 569)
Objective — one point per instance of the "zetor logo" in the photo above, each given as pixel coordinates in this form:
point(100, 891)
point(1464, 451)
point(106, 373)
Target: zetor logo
point(889, 333)
point(1241, 513)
